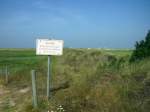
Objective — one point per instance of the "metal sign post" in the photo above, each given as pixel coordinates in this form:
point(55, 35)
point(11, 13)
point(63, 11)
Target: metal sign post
point(49, 47)
point(48, 77)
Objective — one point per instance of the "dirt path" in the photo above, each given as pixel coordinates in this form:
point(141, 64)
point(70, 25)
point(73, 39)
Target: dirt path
point(12, 99)
point(4, 97)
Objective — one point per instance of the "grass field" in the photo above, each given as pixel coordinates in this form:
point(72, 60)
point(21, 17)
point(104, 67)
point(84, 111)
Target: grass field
point(82, 80)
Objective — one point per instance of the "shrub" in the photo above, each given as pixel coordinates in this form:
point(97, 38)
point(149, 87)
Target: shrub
point(142, 49)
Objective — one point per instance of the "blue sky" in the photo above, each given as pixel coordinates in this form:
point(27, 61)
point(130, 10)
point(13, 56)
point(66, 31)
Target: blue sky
point(80, 23)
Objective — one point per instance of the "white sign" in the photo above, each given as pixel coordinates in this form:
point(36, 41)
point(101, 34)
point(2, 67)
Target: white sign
point(49, 47)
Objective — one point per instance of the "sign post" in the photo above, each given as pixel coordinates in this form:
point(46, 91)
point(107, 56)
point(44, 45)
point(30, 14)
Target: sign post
point(49, 47)
point(48, 77)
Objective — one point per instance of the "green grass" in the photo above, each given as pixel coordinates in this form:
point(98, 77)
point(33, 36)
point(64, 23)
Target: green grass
point(94, 80)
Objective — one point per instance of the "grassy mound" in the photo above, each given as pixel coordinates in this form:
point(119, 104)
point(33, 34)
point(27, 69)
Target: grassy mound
point(82, 80)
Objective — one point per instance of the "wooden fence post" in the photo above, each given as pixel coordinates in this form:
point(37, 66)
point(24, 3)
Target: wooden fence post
point(34, 95)
point(6, 74)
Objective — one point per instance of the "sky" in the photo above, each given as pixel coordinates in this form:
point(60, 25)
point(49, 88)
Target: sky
point(80, 23)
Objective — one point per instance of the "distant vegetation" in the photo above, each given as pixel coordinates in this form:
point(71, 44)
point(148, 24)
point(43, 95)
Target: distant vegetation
point(142, 49)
